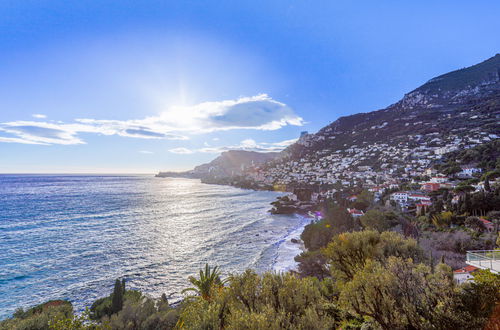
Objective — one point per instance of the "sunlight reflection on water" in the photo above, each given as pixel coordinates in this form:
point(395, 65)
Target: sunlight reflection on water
point(69, 237)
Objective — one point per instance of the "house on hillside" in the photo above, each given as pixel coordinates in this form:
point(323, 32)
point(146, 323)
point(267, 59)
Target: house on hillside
point(439, 179)
point(488, 225)
point(400, 196)
point(352, 198)
point(464, 274)
point(468, 171)
point(355, 213)
point(430, 186)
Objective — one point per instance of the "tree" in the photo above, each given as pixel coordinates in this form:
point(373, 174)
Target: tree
point(481, 298)
point(348, 253)
point(39, 317)
point(209, 280)
point(452, 170)
point(336, 220)
point(268, 301)
point(401, 294)
point(487, 185)
point(378, 220)
point(465, 205)
point(475, 224)
point(364, 200)
point(442, 220)
point(117, 300)
point(312, 263)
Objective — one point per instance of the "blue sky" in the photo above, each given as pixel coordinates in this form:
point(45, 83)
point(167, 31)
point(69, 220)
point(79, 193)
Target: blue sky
point(140, 86)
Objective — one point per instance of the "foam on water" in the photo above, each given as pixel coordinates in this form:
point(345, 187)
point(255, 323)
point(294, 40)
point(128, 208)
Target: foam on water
point(69, 237)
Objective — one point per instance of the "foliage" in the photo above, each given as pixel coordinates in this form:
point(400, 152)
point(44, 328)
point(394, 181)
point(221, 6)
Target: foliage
point(143, 313)
point(486, 155)
point(363, 201)
point(336, 220)
point(104, 306)
point(474, 223)
point(482, 296)
point(270, 301)
point(442, 220)
point(208, 282)
point(401, 294)
point(312, 263)
point(348, 253)
point(117, 297)
point(452, 245)
point(75, 322)
point(38, 317)
point(378, 220)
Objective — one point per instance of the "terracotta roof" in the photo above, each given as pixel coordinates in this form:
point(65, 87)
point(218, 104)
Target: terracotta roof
point(355, 211)
point(466, 269)
point(486, 222)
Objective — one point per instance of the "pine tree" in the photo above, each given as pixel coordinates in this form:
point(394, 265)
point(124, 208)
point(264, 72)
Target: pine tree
point(487, 185)
point(117, 302)
point(123, 285)
point(432, 262)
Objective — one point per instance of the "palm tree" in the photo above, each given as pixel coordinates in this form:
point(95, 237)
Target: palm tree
point(209, 280)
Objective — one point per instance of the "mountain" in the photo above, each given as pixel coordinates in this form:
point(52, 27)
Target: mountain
point(229, 164)
point(453, 111)
point(232, 163)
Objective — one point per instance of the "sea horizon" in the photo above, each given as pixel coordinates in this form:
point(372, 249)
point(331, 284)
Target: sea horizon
point(56, 229)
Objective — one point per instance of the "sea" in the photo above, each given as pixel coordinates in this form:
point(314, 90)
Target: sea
point(69, 237)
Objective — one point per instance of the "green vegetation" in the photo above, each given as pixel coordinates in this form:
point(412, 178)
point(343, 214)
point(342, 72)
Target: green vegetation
point(379, 220)
point(208, 282)
point(336, 220)
point(39, 317)
point(376, 280)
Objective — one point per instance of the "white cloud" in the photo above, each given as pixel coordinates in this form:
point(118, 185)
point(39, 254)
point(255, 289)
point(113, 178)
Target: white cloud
point(33, 132)
point(182, 151)
point(146, 152)
point(39, 116)
point(248, 145)
point(258, 112)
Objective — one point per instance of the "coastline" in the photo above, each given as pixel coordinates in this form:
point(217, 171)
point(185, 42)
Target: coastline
point(284, 258)
point(287, 250)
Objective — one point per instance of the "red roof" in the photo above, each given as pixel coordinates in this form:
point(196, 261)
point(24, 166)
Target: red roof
point(466, 269)
point(355, 211)
point(486, 223)
point(417, 195)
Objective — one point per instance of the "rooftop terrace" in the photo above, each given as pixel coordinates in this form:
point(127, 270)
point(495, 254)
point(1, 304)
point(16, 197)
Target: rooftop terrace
point(485, 259)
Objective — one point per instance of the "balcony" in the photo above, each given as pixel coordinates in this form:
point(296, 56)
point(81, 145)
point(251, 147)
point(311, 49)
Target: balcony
point(485, 259)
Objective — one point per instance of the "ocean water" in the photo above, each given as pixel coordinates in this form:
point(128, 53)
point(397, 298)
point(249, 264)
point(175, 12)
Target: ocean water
point(70, 237)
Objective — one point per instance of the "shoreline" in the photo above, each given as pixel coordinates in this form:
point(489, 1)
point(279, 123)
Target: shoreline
point(284, 259)
point(287, 250)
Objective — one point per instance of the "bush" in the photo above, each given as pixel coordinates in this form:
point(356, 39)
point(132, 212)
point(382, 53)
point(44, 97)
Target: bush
point(38, 317)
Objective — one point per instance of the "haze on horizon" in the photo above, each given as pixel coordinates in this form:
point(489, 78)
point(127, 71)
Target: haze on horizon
point(137, 87)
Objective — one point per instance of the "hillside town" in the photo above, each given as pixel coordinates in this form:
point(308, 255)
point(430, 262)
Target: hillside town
point(439, 193)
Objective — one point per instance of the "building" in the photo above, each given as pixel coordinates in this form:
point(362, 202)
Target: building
point(400, 196)
point(468, 171)
point(439, 179)
point(464, 274)
point(352, 198)
point(355, 213)
point(430, 186)
point(488, 225)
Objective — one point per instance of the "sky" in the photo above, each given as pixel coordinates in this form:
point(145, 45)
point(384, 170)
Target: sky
point(142, 86)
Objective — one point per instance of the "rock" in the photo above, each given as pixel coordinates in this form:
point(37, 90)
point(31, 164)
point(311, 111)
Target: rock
point(294, 240)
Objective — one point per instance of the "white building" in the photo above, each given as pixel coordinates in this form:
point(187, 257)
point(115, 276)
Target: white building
point(464, 274)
